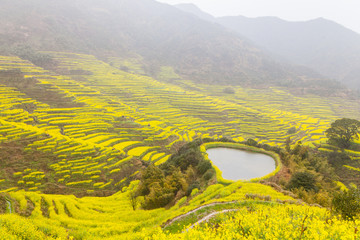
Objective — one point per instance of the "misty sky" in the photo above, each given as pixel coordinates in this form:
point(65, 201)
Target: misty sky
point(344, 12)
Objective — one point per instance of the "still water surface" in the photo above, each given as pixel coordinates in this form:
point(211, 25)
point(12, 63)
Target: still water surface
point(239, 164)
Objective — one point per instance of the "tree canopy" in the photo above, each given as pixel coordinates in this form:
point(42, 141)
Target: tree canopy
point(347, 203)
point(342, 131)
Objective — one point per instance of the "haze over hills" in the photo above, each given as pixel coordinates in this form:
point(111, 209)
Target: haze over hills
point(193, 9)
point(320, 44)
point(91, 148)
point(161, 34)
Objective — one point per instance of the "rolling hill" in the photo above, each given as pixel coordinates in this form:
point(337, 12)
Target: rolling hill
point(325, 46)
point(88, 138)
point(88, 133)
point(154, 34)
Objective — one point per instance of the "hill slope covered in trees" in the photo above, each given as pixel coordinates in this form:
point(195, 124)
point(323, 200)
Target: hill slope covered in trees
point(152, 34)
point(325, 46)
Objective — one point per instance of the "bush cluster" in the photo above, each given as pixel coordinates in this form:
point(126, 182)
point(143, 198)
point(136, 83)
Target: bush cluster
point(184, 171)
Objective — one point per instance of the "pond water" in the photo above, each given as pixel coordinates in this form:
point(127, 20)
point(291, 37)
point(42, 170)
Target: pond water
point(238, 164)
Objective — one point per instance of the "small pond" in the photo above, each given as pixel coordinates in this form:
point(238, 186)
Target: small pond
point(238, 164)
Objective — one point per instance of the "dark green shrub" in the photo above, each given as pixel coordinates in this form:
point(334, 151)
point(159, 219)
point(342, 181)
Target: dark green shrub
point(225, 139)
point(187, 155)
point(343, 131)
point(291, 130)
point(204, 166)
point(210, 173)
point(196, 184)
point(229, 90)
point(251, 142)
point(304, 180)
point(347, 203)
point(159, 196)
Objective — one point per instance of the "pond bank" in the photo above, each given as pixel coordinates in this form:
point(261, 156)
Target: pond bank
point(236, 164)
point(243, 147)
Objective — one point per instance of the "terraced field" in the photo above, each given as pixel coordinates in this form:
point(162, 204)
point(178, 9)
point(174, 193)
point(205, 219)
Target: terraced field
point(63, 217)
point(89, 125)
point(97, 122)
point(112, 217)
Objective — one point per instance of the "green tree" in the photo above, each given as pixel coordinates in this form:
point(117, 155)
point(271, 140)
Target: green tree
point(287, 144)
point(152, 174)
point(229, 90)
point(159, 190)
point(342, 131)
point(159, 196)
point(305, 180)
point(133, 199)
point(347, 203)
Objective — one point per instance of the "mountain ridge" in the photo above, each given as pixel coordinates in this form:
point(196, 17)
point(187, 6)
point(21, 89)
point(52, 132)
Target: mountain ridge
point(323, 45)
point(163, 35)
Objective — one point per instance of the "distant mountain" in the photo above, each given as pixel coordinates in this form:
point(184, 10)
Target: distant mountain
point(323, 45)
point(162, 34)
point(320, 44)
point(195, 10)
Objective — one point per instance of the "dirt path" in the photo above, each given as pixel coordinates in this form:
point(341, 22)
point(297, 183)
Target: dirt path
point(211, 215)
point(171, 221)
point(9, 206)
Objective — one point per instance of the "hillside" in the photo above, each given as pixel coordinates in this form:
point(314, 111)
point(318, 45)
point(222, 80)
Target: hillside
point(106, 123)
point(106, 118)
point(152, 34)
point(319, 44)
point(58, 217)
point(193, 9)
point(323, 45)
point(108, 110)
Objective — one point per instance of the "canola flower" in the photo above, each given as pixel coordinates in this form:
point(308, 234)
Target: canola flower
point(264, 222)
point(142, 112)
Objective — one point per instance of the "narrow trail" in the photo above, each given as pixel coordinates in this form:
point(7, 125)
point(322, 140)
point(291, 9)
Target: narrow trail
point(207, 217)
point(9, 206)
point(211, 215)
point(171, 221)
